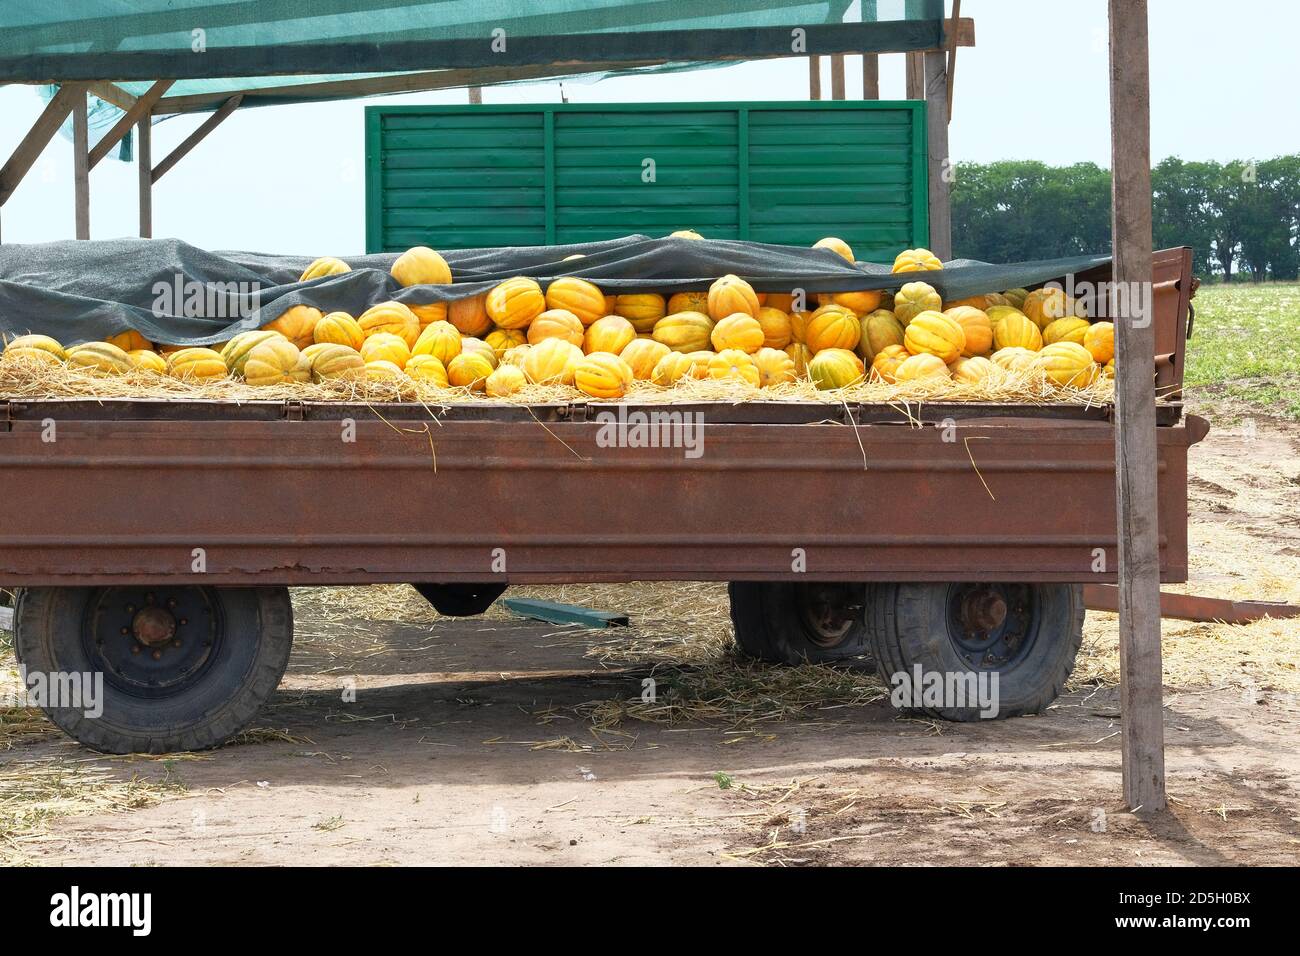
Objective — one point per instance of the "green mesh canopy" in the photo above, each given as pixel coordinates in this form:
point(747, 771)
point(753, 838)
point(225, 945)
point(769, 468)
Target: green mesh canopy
point(235, 44)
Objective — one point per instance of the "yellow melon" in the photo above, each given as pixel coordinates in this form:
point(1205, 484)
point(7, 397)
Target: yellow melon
point(100, 358)
point(129, 341)
point(504, 381)
point(609, 333)
point(1069, 329)
point(385, 373)
point(684, 331)
point(197, 364)
point(427, 368)
point(832, 327)
point(1068, 364)
point(297, 324)
point(393, 318)
point(514, 303)
point(733, 363)
point(470, 315)
point(430, 313)
point(914, 298)
point(642, 310)
point(439, 339)
point(1044, 306)
point(502, 340)
point(421, 266)
point(338, 328)
point(935, 334)
point(602, 375)
point(469, 370)
point(775, 367)
point(687, 302)
point(837, 246)
point(671, 367)
point(921, 365)
point(732, 294)
point(971, 370)
point(886, 363)
point(551, 362)
point(800, 355)
point(642, 355)
point(916, 260)
point(578, 296)
point(331, 360)
point(469, 343)
point(324, 266)
point(147, 360)
point(836, 368)
point(1017, 331)
point(879, 329)
point(34, 349)
point(386, 347)
point(775, 324)
point(739, 331)
point(976, 327)
point(1015, 358)
point(276, 362)
point(1099, 340)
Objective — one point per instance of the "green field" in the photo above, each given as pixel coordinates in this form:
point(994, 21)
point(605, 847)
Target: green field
point(1245, 348)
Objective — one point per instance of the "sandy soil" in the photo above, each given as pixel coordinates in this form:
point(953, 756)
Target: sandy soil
point(468, 743)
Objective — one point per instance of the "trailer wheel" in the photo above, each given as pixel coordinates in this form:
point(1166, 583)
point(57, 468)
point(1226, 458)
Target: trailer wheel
point(798, 623)
point(1026, 634)
point(182, 668)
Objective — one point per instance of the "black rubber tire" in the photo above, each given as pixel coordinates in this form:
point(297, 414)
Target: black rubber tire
point(770, 626)
point(907, 625)
point(243, 672)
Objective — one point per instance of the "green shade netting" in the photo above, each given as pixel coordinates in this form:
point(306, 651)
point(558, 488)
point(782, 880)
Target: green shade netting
point(217, 40)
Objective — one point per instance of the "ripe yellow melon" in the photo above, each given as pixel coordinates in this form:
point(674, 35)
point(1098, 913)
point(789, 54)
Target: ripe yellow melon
point(915, 298)
point(732, 294)
point(339, 328)
point(837, 246)
point(439, 339)
point(428, 369)
point(331, 360)
point(687, 302)
point(800, 355)
point(643, 355)
point(971, 370)
point(470, 315)
point(147, 360)
point(916, 260)
point(297, 324)
point(469, 343)
point(551, 362)
point(1068, 364)
point(386, 347)
point(775, 367)
point(686, 234)
point(609, 333)
point(733, 363)
point(276, 362)
point(879, 329)
point(514, 303)
point(859, 303)
point(671, 367)
point(385, 373)
point(976, 326)
point(100, 358)
point(504, 381)
point(35, 349)
point(684, 331)
point(739, 331)
point(921, 365)
point(556, 323)
point(602, 375)
point(393, 318)
point(1099, 340)
point(129, 341)
point(1069, 329)
point(421, 266)
point(198, 364)
point(430, 313)
point(935, 334)
point(886, 363)
point(470, 370)
point(324, 266)
point(775, 324)
point(832, 327)
point(1015, 359)
point(1017, 331)
point(578, 296)
point(835, 368)
point(1044, 306)
point(643, 310)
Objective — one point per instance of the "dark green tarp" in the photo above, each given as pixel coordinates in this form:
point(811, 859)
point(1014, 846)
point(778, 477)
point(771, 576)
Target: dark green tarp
point(175, 293)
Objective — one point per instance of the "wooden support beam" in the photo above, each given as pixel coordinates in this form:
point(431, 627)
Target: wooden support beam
point(1141, 684)
point(81, 164)
point(37, 138)
point(208, 125)
point(951, 35)
point(837, 76)
point(112, 93)
point(144, 174)
point(1193, 607)
point(140, 108)
point(814, 77)
point(915, 76)
point(870, 76)
point(936, 131)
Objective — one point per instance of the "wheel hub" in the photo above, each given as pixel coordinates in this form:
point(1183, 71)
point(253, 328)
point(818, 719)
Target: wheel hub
point(152, 642)
point(829, 611)
point(992, 625)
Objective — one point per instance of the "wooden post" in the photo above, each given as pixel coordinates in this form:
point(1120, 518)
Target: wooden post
point(936, 131)
point(1135, 411)
point(81, 165)
point(144, 175)
point(837, 76)
point(915, 76)
point(814, 77)
point(196, 137)
point(870, 76)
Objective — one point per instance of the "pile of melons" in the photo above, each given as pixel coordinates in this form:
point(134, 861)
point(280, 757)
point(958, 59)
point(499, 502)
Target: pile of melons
point(572, 333)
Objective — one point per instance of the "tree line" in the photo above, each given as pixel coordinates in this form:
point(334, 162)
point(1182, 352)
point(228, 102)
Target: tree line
point(1241, 218)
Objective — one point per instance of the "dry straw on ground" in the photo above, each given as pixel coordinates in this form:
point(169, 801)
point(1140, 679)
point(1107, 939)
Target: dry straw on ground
point(37, 380)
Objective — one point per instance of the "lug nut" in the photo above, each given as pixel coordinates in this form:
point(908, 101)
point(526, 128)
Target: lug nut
point(125, 631)
point(130, 609)
point(171, 602)
point(183, 620)
point(135, 648)
point(176, 643)
point(157, 655)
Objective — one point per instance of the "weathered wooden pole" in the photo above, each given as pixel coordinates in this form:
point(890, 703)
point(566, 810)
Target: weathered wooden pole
point(814, 77)
point(81, 165)
point(936, 131)
point(1135, 410)
point(837, 76)
point(144, 174)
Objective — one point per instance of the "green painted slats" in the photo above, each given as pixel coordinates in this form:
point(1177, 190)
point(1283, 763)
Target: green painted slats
point(773, 172)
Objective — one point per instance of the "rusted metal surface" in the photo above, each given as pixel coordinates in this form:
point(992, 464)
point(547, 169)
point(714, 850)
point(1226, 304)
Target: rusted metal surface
point(1194, 607)
point(291, 502)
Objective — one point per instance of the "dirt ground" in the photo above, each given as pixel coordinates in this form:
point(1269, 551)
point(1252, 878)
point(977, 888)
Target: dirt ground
point(499, 741)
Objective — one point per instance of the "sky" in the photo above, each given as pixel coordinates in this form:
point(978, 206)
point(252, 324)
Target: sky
point(290, 179)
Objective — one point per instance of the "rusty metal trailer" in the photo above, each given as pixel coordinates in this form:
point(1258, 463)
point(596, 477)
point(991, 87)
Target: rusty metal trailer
point(154, 541)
